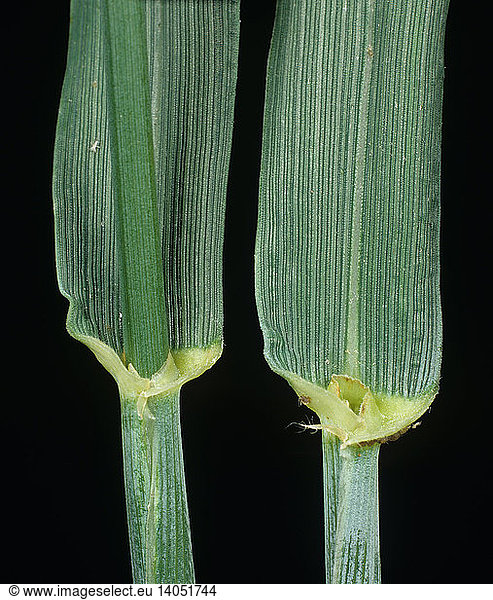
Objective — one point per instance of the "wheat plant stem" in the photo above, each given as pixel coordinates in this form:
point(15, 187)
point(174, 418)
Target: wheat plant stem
point(352, 546)
point(158, 522)
point(331, 466)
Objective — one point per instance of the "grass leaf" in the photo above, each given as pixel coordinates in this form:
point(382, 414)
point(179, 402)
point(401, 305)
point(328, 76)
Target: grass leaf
point(140, 173)
point(347, 254)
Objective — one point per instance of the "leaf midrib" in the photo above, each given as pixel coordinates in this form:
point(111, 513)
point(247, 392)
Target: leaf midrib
point(365, 39)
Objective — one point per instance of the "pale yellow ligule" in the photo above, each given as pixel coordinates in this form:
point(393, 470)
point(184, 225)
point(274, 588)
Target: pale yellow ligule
point(182, 366)
point(351, 411)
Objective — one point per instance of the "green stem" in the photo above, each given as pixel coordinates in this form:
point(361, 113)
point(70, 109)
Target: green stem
point(157, 511)
point(331, 471)
point(351, 512)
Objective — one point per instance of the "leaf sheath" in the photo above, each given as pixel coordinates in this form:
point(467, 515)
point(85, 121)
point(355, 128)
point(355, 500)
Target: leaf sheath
point(351, 512)
point(161, 545)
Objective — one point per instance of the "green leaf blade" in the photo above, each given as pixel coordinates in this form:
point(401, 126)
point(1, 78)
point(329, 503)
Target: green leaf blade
point(171, 272)
point(144, 315)
point(85, 236)
point(347, 256)
point(193, 49)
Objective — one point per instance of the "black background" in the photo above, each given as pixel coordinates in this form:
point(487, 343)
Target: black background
point(254, 482)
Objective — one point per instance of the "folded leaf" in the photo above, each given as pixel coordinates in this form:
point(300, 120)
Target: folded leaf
point(140, 173)
point(347, 255)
